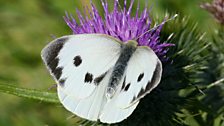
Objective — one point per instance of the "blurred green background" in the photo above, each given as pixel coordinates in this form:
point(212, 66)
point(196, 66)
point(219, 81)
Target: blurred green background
point(26, 26)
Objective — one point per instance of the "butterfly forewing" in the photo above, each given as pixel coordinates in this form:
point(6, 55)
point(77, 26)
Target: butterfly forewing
point(80, 62)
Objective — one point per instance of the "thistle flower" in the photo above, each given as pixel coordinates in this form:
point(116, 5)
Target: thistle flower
point(216, 8)
point(120, 24)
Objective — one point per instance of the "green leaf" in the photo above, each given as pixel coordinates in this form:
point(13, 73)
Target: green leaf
point(43, 96)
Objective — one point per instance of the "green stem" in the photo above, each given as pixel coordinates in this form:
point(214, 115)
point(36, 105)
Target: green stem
point(29, 93)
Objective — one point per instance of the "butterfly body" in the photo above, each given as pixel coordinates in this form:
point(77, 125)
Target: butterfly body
point(127, 49)
point(100, 77)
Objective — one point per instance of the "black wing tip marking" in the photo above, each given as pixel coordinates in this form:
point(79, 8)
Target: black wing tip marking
point(57, 72)
point(53, 64)
point(156, 77)
point(49, 55)
point(51, 51)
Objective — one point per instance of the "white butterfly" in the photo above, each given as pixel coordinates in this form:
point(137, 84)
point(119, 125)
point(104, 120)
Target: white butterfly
point(100, 77)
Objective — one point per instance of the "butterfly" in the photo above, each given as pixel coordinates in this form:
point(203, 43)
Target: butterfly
point(99, 77)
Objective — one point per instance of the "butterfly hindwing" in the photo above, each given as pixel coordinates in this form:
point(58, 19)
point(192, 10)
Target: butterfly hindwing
point(143, 74)
point(111, 113)
point(79, 62)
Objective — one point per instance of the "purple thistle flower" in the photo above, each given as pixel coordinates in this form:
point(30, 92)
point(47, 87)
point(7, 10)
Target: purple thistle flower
point(120, 24)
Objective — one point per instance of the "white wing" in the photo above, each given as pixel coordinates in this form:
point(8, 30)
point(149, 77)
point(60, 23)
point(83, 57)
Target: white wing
point(111, 113)
point(143, 74)
point(82, 66)
point(97, 105)
point(79, 62)
point(89, 108)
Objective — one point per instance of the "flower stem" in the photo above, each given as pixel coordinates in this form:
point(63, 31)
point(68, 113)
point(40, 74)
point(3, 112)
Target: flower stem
point(29, 93)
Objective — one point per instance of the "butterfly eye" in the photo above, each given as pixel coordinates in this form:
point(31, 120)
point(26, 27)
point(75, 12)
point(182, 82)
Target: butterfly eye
point(77, 61)
point(140, 77)
point(88, 78)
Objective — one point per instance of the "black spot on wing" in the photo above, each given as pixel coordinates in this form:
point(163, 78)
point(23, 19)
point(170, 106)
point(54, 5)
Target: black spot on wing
point(57, 72)
point(150, 84)
point(124, 82)
point(88, 78)
point(127, 87)
point(97, 80)
point(140, 77)
point(77, 61)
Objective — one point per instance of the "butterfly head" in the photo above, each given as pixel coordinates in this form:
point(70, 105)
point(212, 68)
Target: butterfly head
point(132, 43)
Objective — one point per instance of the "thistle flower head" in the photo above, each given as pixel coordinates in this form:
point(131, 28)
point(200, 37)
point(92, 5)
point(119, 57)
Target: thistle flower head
point(120, 24)
point(216, 8)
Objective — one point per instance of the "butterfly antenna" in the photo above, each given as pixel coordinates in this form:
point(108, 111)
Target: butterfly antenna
point(156, 26)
